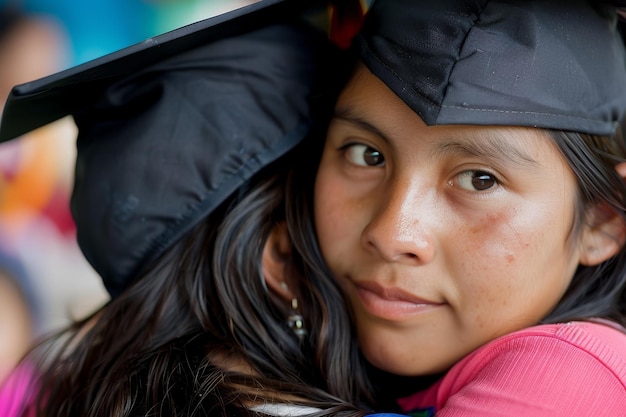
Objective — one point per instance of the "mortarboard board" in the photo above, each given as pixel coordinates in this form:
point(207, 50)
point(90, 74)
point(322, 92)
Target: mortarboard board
point(37, 103)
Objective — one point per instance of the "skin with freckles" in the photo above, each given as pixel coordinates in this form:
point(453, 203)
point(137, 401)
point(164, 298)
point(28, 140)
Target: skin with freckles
point(443, 237)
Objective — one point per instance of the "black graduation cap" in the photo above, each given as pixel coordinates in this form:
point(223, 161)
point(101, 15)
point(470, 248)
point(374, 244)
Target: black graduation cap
point(169, 128)
point(557, 64)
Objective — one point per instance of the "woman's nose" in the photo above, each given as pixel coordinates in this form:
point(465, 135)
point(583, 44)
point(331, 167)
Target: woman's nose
point(400, 229)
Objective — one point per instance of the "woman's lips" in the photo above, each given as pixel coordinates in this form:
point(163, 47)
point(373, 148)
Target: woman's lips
point(392, 304)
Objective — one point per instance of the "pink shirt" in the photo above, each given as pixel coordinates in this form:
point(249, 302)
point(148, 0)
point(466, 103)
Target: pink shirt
point(15, 391)
point(554, 370)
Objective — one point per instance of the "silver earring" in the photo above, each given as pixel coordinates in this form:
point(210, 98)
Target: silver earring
point(295, 320)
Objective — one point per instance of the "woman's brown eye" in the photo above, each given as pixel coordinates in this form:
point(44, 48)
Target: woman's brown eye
point(483, 181)
point(476, 180)
point(364, 155)
point(373, 157)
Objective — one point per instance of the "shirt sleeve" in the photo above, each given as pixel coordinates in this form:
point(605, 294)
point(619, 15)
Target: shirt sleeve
point(534, 375)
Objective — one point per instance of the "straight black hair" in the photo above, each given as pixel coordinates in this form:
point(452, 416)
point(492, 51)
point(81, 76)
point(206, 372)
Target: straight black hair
point(597, 291)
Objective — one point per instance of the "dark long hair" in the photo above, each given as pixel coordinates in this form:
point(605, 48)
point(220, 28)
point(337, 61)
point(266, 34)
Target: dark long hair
point(596, 291)
point(158, 349)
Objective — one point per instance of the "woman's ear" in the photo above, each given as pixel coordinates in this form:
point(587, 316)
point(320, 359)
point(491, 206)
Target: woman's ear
point(277, 262)
point(605, 232)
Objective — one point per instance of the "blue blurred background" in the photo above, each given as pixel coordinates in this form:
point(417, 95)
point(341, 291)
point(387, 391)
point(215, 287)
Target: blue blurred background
point(97, 27)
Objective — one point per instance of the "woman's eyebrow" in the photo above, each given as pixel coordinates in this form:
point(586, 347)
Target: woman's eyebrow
point(349, 116)
point(490, 145)
point(486, 144)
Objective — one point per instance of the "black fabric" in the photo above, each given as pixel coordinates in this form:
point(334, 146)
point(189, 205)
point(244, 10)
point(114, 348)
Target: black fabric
point(546, 63)
point(161, 149)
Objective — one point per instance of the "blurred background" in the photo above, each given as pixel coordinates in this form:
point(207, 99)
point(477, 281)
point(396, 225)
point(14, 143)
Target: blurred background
point(44, 280)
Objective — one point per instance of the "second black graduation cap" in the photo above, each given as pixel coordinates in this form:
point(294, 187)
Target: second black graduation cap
point(169, 128)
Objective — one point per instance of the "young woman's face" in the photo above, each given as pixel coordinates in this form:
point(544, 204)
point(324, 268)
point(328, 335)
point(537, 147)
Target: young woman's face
point(443, 237)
